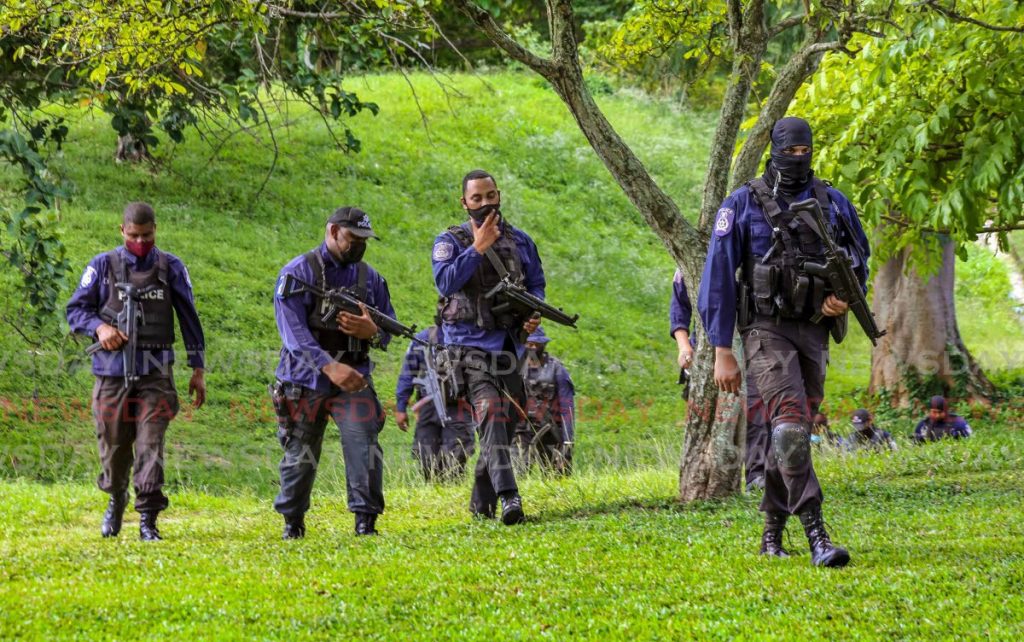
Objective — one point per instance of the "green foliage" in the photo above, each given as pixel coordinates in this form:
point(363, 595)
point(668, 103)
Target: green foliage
point(926, 126)
point(29, 240)
point(174, 66)
point(668, 47)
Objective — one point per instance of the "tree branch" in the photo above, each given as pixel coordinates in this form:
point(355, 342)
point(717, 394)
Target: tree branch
point(503, 41)
point(564, 48)
point(958, 17)
point(930, 230)
point(783, 25)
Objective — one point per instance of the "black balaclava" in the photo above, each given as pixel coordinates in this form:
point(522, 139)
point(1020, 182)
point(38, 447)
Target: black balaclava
point(786, 174)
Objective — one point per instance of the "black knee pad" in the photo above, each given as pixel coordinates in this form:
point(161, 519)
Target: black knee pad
point(791, 445)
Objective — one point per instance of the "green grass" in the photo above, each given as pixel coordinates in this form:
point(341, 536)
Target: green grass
point(607, 553)
point(935, 533)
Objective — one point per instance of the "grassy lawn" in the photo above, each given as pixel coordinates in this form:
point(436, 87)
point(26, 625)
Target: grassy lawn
point(935, 533)
point(936, 537)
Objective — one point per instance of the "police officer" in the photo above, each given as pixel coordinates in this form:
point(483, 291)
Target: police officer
point(132, 416)
point(680, 313)
point(468, 261)
point(441, 448)
point(867, 435)
point(821, 433)
point(940, 423)
point(785, 351)
point(549, 432)
point(324, 373)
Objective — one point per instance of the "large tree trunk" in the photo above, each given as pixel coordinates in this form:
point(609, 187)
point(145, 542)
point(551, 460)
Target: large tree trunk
point(922, 353)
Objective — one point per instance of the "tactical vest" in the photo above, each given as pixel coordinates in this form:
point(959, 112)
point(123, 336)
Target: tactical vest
point(156, 330)
point(542, 392)
point(469, 304)
point(777, 282)
point(342, 347)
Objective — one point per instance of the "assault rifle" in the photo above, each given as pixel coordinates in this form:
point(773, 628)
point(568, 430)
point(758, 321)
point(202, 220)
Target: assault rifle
point(438, 380)
point(837, 270)
point(128, 321)
point(343, 300)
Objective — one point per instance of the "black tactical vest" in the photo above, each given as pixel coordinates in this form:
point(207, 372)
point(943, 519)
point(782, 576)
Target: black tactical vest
point(156, 331)
point(469, 304)
point(342, 347)
point(542, 392)
point(778, 284)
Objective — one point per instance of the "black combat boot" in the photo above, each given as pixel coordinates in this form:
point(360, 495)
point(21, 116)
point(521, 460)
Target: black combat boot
point(823, 553)
point(365, 523)
point(512, 509)
point(294, 527)
point(771, 539)
point(147, 527)
point(114, 516)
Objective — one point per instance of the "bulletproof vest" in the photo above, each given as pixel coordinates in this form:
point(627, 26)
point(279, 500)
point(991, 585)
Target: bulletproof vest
point(469, 304)
point(342, 347)
point(542, 391)
point(777, 281)
point(156, 330)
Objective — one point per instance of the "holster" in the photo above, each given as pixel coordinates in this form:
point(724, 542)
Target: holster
point(284, 396)
point(744, 315)
point(764, 281)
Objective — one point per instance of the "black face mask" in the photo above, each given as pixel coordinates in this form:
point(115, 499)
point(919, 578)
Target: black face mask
point(353, 254)
point(480, 213)
point(786, 173)
point(789, 174)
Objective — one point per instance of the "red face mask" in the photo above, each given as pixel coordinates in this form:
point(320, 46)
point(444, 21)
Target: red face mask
point(139, 248)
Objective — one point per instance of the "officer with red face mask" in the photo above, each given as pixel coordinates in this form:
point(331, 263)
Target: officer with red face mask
point(132, 417)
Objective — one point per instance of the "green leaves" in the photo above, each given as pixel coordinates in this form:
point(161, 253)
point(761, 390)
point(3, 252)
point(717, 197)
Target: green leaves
point(933, 113)
point(32, 244)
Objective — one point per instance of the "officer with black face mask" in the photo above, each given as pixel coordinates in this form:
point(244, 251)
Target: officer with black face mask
point(785, 351)
point(325, 373)
point(488, 337)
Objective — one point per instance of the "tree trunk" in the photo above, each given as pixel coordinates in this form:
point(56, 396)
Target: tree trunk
point(712, 452)
point(131, 149)
point(921, 353)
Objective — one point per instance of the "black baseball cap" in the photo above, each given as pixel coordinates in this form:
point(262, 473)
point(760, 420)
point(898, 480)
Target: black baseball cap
point(355, 219)
point(938, 402)
point(860, 417)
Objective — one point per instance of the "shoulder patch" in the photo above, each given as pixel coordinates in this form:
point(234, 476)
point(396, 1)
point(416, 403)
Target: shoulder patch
point(678, 276)
point(723, 221)
point(279, 288)
point(88, 277)
point(184, 272)
point(443, 251)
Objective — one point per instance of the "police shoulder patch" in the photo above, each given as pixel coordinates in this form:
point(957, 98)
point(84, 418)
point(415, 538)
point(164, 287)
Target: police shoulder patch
point(443, 251)
point(88, 276)
point(184, 271)
point(723, 221)
point(279, 288)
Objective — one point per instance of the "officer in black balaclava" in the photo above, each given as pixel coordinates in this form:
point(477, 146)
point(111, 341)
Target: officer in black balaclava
point(785, 350)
